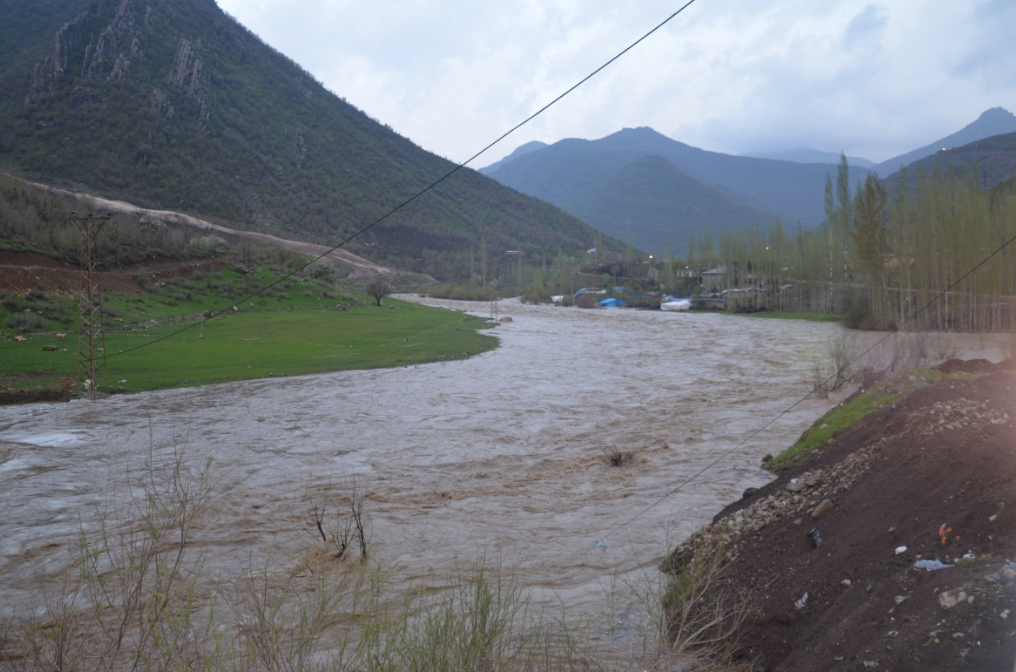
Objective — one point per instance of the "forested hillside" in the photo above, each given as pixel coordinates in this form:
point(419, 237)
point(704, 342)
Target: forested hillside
point(994, 159)
point(173, 104)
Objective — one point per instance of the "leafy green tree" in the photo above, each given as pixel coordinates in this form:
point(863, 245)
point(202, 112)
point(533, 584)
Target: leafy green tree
point(871, 238)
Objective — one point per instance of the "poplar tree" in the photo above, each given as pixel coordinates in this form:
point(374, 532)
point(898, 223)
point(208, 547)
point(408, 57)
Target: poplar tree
point(871, 239)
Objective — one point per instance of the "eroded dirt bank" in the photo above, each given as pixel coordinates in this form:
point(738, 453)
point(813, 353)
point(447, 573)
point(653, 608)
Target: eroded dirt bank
point(827, 551)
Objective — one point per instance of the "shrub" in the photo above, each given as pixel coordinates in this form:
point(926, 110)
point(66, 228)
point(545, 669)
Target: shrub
point(208, 246)
point(25, 322)
point(465, 292)
point(859, 316)
point(321, 270)
point(587, 301)
point(535, 295)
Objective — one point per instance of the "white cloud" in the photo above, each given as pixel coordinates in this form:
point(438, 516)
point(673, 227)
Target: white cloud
point(734, 76)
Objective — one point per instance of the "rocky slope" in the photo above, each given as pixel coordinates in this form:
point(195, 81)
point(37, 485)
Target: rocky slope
point(828, 555)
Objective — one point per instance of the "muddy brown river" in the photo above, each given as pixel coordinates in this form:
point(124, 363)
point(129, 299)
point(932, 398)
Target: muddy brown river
point(503, 452)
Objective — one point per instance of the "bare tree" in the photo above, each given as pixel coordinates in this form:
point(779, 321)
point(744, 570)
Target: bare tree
point(378, 288)
point(246, 250)
point(338, 531)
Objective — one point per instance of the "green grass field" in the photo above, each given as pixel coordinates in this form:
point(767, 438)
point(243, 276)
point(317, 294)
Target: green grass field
point(293, 330)
point(785, 315)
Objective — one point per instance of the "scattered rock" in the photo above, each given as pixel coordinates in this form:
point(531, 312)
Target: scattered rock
point(801, 602)
point(846, 582)
point(951, 598)
point(50, 348)
point(750, 492)
point(822, 509)
point(20, 339)
point(793, 501)
point(506, 319)
point(61, 335)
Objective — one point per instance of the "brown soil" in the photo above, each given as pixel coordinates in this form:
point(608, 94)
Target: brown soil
point(920, 469)
point(24, 271)
point(62, 390)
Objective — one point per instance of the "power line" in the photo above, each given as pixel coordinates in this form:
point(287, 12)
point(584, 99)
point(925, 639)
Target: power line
point(802, 399)
point(432, 184)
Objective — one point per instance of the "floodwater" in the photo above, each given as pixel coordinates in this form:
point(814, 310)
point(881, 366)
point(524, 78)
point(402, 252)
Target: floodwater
point(502, 451)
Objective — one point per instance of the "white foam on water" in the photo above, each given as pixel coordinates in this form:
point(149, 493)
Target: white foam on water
point(49, 440)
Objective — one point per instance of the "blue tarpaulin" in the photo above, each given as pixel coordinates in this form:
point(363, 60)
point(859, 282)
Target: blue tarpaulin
point(612, 303)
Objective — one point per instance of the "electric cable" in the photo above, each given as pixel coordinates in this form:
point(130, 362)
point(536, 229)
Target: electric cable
point(725, 454)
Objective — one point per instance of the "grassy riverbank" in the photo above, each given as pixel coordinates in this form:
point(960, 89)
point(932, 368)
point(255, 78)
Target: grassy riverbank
point(294, 329)
point(859, 406)
point(786, 315)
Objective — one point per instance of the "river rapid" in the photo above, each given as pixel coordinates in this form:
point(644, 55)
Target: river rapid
point(503, 452)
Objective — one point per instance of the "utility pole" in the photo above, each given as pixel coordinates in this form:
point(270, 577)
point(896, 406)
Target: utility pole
point(91, 338)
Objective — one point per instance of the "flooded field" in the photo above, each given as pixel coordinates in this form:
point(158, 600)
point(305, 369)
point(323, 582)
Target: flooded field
point(503, 451)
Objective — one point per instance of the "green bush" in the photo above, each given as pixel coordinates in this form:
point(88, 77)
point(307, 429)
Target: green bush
point(321, 270)
point(207, 246)
point(535, 294)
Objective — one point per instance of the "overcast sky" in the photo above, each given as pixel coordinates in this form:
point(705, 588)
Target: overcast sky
point(734, 76)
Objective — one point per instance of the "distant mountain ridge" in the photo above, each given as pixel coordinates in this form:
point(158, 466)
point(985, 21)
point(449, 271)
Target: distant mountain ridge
point(519, 151)
point(811, 156)
point(581, 177)
point(171, 104)
point(996, 121)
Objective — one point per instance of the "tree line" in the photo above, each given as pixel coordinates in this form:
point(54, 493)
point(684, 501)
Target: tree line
point(882, 254)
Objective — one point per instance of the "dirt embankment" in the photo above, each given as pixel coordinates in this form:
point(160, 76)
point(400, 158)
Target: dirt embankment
point(24, 271)
point(827, 553)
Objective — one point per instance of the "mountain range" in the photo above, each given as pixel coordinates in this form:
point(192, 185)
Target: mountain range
point(172, 104)
point(717, 191)
point(612, 184)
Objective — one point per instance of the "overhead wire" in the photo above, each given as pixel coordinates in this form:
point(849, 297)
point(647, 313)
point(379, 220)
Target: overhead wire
point(430, 187)
point(727, 453)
